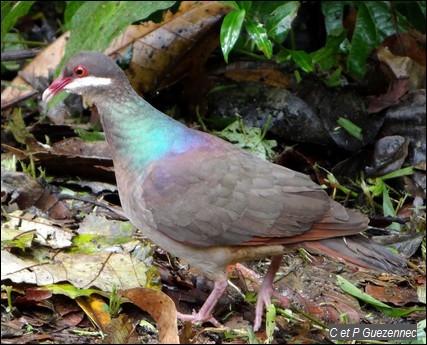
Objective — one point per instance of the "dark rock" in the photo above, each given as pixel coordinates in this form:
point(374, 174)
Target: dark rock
point(389, 155)
point(408, 119)
point(291, 117)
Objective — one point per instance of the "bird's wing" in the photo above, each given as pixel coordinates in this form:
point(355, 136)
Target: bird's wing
point(228, 197)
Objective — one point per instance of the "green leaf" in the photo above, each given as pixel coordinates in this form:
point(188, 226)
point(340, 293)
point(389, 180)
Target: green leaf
point(248, 138)
point(70, 10)
point(416, 14)
point(246, 5)
point(383, 18)
point(422, 5)
point(270, 322)
point(375, 21)
point(398, 173)
point(11, 14)
point(333, 11)
point(230, 31)
point(96, 23)
point(21, 241)
point(377, 186)
point(258, 34)
point(251, 336)
point(89, 135)
point(70, 291)
point(326, 57)
point(364, 40)
point(388, 208)
point(17, 127)
point(280, 21)
point(302, 59)
point(350, 127)
point(348, 287)
point(232, 4)
point(334, 79)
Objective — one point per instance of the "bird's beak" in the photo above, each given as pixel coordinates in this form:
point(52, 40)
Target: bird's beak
point(57, 86)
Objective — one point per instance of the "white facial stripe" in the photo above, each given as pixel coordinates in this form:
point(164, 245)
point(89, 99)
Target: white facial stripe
point(79, 83)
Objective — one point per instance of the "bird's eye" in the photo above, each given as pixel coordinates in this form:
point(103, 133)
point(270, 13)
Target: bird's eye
point(80, 71)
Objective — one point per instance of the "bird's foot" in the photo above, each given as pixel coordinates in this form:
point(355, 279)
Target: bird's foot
point(263, 301)
point(266, 291)
point(205, 312)
point(199, 318)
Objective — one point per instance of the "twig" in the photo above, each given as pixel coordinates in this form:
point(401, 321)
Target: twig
point(19, 99)
point(119, 212)
point(14, 55)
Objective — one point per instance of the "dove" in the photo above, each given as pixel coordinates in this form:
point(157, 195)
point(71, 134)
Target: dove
point(206, 201)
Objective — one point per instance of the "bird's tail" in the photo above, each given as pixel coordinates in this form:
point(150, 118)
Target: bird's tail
point(360, 251)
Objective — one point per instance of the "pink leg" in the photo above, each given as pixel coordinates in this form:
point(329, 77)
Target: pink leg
point(205, 312)
point(266, 291)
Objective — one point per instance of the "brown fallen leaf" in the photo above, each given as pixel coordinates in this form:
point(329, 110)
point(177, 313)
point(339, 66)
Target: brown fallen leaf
point(30, 338)
point(162, 52)
point(160, 307)
point(66, 161)
point(411, 44)
point(96, 309)
point(121, 330)
point(26, 191)
point(403, 67)
point(40, 67)
point(395, 294)
point(264, 72)
point(33, 295)
point(102, 270)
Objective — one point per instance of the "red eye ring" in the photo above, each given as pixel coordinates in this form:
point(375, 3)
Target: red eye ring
point(80, 71)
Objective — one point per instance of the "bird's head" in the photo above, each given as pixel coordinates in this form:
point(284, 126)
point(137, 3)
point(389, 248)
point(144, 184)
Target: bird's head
point(86, 73)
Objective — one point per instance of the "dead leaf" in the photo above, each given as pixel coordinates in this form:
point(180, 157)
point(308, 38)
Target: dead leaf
point(393, 293)
point(160, 307)
point(45, 232)
point(403, 67)
point(26, 191)
point(257, 71)
point(158, 49)
point(30, 338)
point(34, 295)
point(62, 163)
point(40, 67)
point(103, 270)
point(121, 330)
point(411, 44)
point(164, 52)
point(96, 309)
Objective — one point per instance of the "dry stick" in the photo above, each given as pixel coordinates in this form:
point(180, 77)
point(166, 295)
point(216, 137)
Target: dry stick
point(119, 212)
point(11, 103)
point(23, 54)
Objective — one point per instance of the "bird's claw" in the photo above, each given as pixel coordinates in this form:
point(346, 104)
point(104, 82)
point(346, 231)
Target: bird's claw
point(199, 318)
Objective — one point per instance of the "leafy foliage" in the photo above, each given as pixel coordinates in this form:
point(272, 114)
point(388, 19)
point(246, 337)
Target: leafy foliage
point(276, 27)
point(253, 26)
point(386, 309)
point(229, 37)
point(249, 138)
point(10, 13)
point(103, 15)
point(268, 29)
